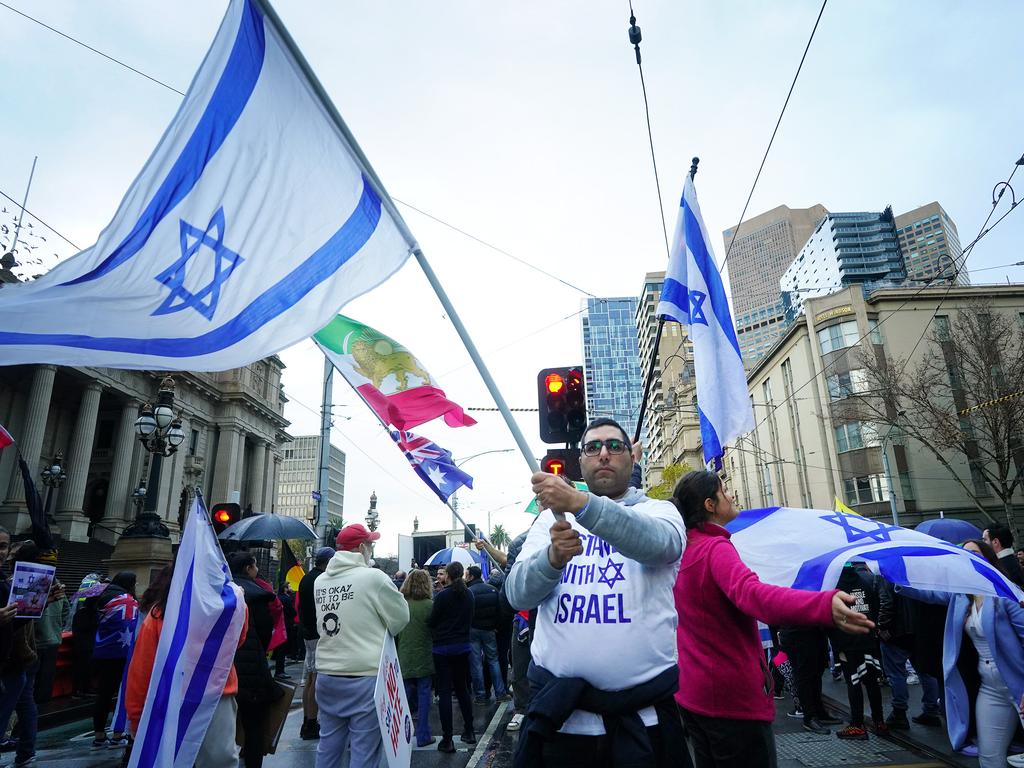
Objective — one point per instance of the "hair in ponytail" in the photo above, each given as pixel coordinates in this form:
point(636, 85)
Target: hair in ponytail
point(690, 494)
point(455, 580)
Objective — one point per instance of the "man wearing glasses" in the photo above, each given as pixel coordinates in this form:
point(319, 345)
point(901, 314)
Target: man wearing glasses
point(604, 657)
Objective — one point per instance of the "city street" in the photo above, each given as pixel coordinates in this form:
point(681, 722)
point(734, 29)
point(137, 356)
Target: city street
point(68, 746)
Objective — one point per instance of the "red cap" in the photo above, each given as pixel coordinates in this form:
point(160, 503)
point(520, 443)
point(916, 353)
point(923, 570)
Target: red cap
point(352, 536)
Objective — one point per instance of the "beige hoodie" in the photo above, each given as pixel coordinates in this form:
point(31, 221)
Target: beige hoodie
point(355, 606)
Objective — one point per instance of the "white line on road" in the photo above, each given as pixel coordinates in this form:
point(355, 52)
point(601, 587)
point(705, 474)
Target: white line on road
point(481, 746)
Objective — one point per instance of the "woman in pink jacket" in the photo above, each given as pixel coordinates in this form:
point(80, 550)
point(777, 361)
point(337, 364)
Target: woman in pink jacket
point(725, 687)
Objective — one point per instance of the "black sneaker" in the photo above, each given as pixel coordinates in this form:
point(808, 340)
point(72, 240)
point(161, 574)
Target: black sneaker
point(815, 726)
point(468, 737)
point(926, 719)
point(310, 730)
point(446, 745)
point(897, 720)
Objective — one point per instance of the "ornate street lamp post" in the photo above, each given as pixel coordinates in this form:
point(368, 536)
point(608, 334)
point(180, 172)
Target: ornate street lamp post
point(159, 430)
point(53, 478)
point(372, 516)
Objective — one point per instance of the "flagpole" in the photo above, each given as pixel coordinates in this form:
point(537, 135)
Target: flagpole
point(21, 215)
point(403, 228)
point(387, 428)
point(324, 475)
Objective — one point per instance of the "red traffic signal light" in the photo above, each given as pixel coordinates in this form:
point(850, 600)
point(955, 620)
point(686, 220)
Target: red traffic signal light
point(224, 515)
point(564, 462)
point(562, 403)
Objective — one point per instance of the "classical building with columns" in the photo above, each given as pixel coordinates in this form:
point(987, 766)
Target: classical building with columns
point(234, 429)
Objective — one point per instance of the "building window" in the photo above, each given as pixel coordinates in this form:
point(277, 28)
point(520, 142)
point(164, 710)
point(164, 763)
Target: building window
point(855, 435)
point(193, 442)
point(906, 486)
point(864, 490)
point(838, 336)
point(874, 331)
point(942, 327)
point(843, 385)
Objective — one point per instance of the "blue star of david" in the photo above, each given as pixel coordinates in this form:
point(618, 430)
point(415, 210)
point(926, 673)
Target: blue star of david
point(697, 307)
point(204, 301)
point(615, 577)
point(856, 527)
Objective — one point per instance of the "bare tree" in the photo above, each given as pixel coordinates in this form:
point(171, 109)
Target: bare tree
point(963, 397)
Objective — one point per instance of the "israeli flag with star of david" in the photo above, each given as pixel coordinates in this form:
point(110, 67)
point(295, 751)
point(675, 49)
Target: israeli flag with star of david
point(694, 297)
point(250, 226)
point(807, 548)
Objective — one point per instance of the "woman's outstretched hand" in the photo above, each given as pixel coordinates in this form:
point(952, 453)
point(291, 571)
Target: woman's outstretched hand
point(848, 620)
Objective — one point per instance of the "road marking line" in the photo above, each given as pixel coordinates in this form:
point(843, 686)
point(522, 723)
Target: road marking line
point(485, 740)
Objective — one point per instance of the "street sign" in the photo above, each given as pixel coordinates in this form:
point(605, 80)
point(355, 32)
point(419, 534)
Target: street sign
point(315, 495)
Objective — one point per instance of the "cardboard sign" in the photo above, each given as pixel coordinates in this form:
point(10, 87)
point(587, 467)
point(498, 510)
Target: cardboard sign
point(30, 587)
point(396, 727)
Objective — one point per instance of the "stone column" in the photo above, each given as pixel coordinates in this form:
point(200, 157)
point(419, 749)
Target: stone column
point(240, 482)
point(121, 481)
point(254, 493)
point(30, 442)
point(268, 477)
point(72, 521)
point(272, 501)
point(226, 462)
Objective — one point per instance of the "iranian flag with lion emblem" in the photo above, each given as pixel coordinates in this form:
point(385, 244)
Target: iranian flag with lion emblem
point(387, 376)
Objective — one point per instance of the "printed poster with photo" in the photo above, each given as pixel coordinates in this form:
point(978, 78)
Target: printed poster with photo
point(392, 708)
point(30, 588)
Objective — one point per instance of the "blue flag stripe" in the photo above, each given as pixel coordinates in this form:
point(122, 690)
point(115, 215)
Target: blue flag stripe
point(327, 260)
point(713, 281)
point(749, 517)
point(150, 747)
point(232, 93)
point(676, 293)
point(204, 667)
point(708, 435)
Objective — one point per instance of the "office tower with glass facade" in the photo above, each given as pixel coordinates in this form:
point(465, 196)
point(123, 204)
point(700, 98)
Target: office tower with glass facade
point(611, 360)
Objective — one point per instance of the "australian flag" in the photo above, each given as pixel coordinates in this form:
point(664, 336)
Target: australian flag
point(115, 632)
point(432, 463)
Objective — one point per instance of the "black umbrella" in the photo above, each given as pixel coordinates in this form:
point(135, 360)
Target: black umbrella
point(268, 528)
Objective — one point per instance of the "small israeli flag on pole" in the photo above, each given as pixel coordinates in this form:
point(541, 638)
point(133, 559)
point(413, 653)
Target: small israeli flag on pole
point(694, 297)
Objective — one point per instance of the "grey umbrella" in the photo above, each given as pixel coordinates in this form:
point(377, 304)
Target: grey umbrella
point(268, 528)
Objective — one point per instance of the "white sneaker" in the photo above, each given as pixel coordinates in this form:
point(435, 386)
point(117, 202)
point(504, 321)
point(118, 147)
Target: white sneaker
point(1017, 761)
point(515, 723)
point(913, 679)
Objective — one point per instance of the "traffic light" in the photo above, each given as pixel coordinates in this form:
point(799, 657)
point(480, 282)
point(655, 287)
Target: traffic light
point(224, 515)
point(564, 462)
point(562, 403)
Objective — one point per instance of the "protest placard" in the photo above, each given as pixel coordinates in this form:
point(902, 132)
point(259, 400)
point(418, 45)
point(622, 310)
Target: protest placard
point(392, 707)
point(30, 586)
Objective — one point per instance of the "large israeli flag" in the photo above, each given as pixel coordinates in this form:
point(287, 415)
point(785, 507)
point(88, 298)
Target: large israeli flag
point(202, 624)
point(693, 296)
point(251, 225)
point(807, 548)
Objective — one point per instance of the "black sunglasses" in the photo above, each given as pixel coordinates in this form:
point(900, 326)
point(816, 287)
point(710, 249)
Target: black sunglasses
point(614, 446)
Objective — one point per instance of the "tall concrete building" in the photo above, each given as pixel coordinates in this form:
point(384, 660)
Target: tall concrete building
point(671, 429)
point(845, 249)
point(931, 245)
point(299, 478)
point(765, 246)
point(611, 359)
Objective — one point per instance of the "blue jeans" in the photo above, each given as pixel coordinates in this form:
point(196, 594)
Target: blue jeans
point(485, 643)
point(419, 688)
point(348, 719)
point(894, 662)
point(19, 696)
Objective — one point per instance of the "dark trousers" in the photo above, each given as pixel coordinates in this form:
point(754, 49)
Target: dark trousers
point(720, 742)
point(504, 637)
point(860, 669)
point(521, 691)
point(808, 654)
point(81, 664)
point(47, 670)
point(108, 683)
point(253, 717)
point(453, 674)
point(569, 750)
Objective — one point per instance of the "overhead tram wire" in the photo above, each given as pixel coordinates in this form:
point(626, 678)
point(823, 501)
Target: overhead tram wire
point(407, 205)
point(764, 159)
point(27, 211)
point(982, 234)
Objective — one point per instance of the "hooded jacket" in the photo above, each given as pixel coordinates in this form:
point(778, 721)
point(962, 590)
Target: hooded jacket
point(355, 606)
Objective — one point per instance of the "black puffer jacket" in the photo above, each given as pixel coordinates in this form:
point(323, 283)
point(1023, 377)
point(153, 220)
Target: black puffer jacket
point(254, 679)
point(485, 605)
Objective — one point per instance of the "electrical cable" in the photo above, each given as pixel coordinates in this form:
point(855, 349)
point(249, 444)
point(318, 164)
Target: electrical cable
point(27, 211)
point(736, 230)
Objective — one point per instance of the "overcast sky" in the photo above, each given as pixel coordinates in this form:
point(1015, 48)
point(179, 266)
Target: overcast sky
point(522, 123)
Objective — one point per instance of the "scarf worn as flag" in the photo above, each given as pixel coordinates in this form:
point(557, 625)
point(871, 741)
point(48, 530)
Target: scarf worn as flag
point(389, 378)
point(203, 622)
point(694, 297)
point(432, 463)
point(807, 548)
point(249, 227)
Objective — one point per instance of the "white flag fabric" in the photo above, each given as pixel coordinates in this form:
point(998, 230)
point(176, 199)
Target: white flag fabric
point(807, 548)
point(203, 622)
point(247, 230)
point(694, 297)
